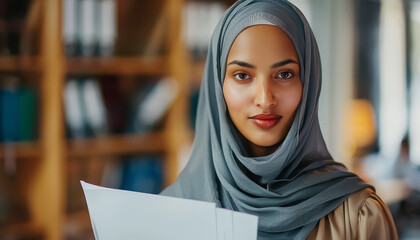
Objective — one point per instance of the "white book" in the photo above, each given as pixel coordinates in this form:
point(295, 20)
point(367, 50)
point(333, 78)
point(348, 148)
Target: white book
point(199, 22)
point(88, 26)
point(70, 28)
point(189, 24)
point(95, 108)
point(73, 109)
point(107, 27)
point(202, 26)
point(119, 214)
point(155, 105)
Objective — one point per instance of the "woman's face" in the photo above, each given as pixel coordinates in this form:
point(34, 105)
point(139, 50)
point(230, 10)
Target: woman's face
point(262, 86)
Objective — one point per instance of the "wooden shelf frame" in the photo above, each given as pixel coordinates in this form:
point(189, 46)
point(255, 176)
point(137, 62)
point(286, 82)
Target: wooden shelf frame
point(47, 189)
point(152, 142)
point(117, 65)
point(20, 63)
point(116, 145)
point(24, 230)
point(20, 149)
point(77, 222)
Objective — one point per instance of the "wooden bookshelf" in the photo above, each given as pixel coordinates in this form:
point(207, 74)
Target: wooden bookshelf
point(20, 63)
point(20, 149)
point(113, 145)
point(46, 186)
point(117, 65)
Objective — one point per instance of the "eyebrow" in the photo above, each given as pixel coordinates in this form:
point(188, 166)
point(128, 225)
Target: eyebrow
point(275, 65)
point(282, 63)
point(242, 64)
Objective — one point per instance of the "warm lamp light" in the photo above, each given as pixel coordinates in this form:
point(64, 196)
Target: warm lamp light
point(361, 125)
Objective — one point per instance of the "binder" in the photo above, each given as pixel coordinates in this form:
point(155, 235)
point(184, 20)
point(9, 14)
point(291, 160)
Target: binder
point(107, 27)
point(28, 109)
point(142, 174)
point(9, 115)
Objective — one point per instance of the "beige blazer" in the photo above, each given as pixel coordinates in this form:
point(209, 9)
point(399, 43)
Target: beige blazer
point(362, 216)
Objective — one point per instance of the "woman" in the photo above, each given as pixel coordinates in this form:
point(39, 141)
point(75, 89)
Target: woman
point(258, 146)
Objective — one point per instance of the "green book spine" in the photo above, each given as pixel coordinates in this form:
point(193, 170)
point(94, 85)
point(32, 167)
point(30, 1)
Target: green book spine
point(28, 114)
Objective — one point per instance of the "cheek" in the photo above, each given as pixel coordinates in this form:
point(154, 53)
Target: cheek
point(236, 98)
point(290, 99)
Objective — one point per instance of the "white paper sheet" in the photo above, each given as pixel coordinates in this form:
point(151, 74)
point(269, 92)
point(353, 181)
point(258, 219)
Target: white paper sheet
point(243, 226)
point(119, 214)
point(224, 224)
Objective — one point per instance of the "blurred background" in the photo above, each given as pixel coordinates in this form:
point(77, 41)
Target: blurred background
point(105, 91)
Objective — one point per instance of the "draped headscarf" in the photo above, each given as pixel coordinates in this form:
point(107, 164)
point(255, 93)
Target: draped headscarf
point(290, 189)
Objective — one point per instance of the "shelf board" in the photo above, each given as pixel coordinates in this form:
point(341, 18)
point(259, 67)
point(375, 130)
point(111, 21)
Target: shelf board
point(20, 149)
point(78, 226)
point(109, 145)
point(20, 63)
point(117, 65)
point(119, 144)
point(80, 218)
point(26, 230)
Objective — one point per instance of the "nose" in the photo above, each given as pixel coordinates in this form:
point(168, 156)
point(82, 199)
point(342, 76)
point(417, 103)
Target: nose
point(264, 97)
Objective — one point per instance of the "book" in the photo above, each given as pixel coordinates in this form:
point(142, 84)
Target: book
point(85, 108)
point(94, 107)
point(13, 16)
point(107, 27)
point(18, 110)
point(115, 104)
point(199, 21)
point(28, 114)
point(151, 103)
point(71, 31)
point(97, 107)
point(142, 174)
point(120, 214)
point(9, 115)
point(73, 109)
point(88, 27)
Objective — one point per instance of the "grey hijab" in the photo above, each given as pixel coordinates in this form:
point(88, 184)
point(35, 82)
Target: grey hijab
point(292, 188)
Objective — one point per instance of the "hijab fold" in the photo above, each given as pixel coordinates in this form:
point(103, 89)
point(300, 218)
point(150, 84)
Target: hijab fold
point(290, 189)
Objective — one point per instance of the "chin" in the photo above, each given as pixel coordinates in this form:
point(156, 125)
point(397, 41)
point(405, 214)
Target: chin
point(264, 142)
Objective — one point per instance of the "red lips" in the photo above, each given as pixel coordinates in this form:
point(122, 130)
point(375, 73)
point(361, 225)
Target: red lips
point(265, 120)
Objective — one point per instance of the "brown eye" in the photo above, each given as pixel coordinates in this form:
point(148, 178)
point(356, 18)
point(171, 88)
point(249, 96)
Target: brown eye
point(241, 76)
point(285, 75)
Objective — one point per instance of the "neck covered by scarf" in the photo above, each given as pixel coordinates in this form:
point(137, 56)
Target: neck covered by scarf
point(290, 189)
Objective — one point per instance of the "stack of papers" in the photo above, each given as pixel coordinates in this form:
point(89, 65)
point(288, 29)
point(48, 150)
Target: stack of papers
point(119, 214)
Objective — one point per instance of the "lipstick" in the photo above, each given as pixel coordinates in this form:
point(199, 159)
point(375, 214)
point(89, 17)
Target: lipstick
point(265, 120)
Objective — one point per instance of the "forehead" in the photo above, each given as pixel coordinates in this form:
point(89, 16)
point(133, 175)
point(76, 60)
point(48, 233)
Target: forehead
point(262, 41)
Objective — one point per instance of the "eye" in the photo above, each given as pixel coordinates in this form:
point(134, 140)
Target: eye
point(242, 76)
point(285, 75)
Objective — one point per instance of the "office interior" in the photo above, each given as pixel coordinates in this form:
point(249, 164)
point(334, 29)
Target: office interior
point(106, 91)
